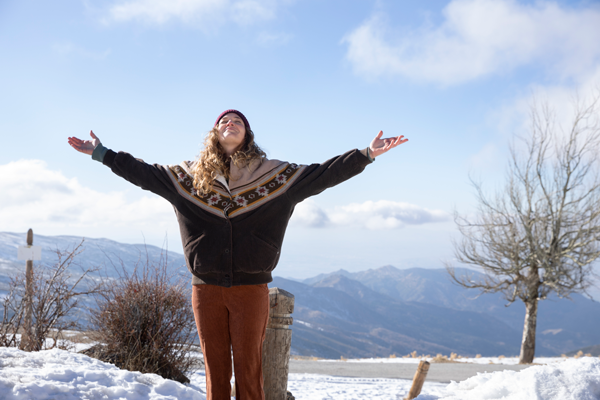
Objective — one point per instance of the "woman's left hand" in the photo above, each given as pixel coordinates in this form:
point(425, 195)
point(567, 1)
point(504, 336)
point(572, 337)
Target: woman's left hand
point(379, 146)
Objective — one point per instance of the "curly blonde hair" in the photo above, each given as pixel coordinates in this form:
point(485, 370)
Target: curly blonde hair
point(213, 161)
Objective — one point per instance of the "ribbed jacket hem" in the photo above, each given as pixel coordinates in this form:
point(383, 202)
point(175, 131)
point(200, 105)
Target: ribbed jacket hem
point(240, 278)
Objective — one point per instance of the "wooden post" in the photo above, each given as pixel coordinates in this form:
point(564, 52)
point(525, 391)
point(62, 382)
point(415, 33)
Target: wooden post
point(276, 348)
point(27, 339)
point(418, 380)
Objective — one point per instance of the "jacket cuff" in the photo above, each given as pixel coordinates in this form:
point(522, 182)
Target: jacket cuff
point(99, 152)
point(365, 152)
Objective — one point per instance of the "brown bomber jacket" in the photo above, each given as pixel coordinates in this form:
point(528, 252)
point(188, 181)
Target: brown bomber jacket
point(233, 235)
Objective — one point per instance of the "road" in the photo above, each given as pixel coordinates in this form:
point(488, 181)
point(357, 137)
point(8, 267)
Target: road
point(438, 372)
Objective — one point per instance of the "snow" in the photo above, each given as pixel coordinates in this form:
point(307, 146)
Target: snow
point(576, 379)
point(62, 375)
point(59, 374)
point(317, 387)
point(470, 360)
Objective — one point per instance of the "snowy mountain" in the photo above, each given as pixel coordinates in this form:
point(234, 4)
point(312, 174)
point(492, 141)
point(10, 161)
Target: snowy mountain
point(342, 317)
point(563, 325)
point(363, 314)
point(112, 258)
point(105, 253)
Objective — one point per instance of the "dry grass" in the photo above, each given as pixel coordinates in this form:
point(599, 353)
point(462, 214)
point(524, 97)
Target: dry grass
point(580, 354)
point(443, 359)
point(304, 358)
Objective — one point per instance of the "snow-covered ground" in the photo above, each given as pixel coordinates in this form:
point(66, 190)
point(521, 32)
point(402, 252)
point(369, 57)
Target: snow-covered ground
point(471, 360)
point(63, 375)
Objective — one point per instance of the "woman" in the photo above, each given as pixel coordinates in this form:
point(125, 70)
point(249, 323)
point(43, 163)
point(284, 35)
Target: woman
point(233, 206)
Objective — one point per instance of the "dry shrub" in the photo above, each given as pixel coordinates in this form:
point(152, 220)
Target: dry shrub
point(55, 294)
point(579, 354)
point(392, 355)
point(147, 324)
point(478, 356)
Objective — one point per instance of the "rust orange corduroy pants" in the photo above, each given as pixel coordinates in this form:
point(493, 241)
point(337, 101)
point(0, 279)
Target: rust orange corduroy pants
point(232, 319)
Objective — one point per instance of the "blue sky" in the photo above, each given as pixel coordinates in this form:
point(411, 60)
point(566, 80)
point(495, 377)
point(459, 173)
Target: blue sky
point(314, 77)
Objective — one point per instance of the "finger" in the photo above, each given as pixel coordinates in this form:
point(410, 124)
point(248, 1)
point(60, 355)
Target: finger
point(379, 135)
point(399, 140)
point(93, 135)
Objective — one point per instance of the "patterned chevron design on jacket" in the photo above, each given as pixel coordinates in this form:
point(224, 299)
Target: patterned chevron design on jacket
point(249, 196)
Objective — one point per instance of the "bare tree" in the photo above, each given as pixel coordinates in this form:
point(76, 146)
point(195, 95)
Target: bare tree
point(539, 234)
point(56, 292)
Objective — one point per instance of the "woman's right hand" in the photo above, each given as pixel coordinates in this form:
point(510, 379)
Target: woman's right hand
point(85, 146)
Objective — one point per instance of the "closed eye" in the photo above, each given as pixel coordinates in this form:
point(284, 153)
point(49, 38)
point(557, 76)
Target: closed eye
point(235, 121)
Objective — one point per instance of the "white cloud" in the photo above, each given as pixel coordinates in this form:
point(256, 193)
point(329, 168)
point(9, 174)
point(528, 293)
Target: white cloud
point(479, 38)
point(309, 214)
point(373, 215)
point(37, 197)
point(211, 12)
point(514, 117)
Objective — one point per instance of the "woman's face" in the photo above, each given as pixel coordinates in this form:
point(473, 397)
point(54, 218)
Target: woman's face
point(231, 131)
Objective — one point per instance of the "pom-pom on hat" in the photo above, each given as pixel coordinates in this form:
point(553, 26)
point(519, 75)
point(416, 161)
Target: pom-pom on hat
point(234, 112)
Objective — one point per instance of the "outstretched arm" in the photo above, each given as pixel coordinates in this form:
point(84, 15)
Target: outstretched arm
point(379, 146)
point(153, 177)
point(84, 146)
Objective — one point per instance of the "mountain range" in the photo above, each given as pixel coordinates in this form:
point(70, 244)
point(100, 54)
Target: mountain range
point(373, 313)
point(388, 311)
point(110, 259)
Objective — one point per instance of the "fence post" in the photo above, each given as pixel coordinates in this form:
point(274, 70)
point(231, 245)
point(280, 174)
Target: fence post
point(29, 295)
point(28, 253)
point(418, 380)
point(276, 348)
point(27, 339)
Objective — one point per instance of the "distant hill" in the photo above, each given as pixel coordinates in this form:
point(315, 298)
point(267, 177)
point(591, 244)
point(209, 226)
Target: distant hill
point(112, 257)
point(341, 317)
point(377, 312)
point(95, 252)
point(594, 351)
point(563, 325)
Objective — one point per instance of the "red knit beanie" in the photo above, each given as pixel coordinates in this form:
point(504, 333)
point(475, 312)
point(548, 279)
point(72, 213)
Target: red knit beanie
point(247, 125)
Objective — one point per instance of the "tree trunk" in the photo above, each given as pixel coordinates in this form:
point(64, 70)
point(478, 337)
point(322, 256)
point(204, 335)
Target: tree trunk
point(528, 342)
